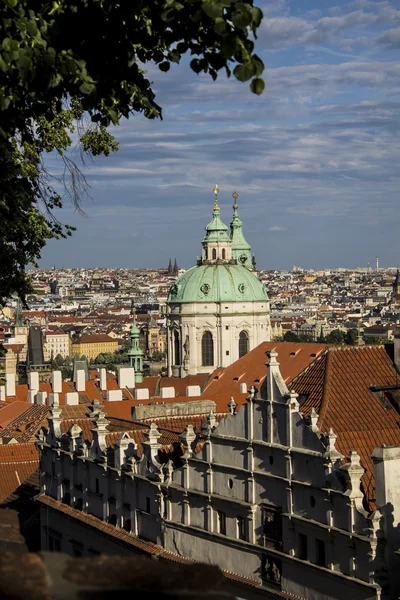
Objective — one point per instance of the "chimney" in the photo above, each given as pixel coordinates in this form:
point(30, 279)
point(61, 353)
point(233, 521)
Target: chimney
point(80, 381)
point(167, 392)
point(33, 381)
point(142, 394)
point(193, 390)
point(2, 393)
point(32, 396)
point(53, 399)
point(72, 398)
point(126, 377)
point(103, 380)
point(41, 397)
point(114, 395)
point(56, 382)
point(10, 384)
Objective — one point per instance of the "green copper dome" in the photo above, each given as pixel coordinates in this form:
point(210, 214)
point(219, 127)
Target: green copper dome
point(218, 283)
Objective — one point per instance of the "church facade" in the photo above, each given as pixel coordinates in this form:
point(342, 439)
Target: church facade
point(218, 310)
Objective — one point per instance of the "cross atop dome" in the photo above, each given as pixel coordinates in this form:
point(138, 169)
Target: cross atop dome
point(235, 196)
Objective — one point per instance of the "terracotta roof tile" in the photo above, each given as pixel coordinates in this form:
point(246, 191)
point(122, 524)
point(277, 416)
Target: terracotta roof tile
point(338, 386)
point(251, 370)
point(17, 463)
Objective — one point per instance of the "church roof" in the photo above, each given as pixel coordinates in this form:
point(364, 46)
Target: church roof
point(218, 283)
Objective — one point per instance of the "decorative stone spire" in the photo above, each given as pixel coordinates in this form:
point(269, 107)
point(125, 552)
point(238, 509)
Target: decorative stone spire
point(135, 352)
point(232, 406)
point(241, 250)
point(353, 472)
point(187, 437)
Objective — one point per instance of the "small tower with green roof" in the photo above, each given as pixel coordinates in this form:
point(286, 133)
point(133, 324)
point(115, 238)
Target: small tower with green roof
point(241, 250)
point(135, 352)
point(216, 245)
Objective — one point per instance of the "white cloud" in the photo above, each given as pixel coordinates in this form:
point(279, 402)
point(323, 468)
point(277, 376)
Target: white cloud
point(389, 39)
point(277, 228)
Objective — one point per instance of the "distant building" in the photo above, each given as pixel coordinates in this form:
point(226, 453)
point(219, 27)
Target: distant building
point(56, 342)
point(91, 345)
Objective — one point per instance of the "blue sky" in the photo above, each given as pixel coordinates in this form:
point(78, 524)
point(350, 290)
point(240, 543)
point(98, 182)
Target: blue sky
point(315, 159)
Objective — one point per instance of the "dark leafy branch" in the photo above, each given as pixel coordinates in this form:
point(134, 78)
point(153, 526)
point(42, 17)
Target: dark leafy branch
point(75, 67)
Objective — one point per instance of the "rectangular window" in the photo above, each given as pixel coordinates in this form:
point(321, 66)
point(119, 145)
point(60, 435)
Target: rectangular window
point(241, 528)
point(227, 352)
point(147, 504)
point(54, 542)
point(272, 526)
point(302, 546)
point(227, 327)
point(320, 558)
point(221, 522)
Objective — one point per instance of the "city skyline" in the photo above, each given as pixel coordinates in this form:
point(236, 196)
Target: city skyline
point(313, 159)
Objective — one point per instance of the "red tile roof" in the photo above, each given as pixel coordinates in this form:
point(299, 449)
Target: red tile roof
point(338, 386)
point(17, 463)
point(251, 370)
point(94, 338)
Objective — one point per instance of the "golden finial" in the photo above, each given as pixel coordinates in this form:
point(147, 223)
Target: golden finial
point(235, 196)
point(216, 190)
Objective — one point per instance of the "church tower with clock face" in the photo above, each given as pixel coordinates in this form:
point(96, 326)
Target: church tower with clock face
point(218, 310)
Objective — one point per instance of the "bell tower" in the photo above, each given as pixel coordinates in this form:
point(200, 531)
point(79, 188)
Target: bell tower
point(241, 250)
point(216, 245)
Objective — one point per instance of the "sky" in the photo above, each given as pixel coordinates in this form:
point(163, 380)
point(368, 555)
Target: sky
point(314, 159)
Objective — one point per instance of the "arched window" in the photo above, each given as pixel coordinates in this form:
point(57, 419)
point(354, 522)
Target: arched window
point(207, 349)
point(214, 254)
point(128, 525)
point(223, 254)
point(243, 343)
point(177, 349)
point(112, 519)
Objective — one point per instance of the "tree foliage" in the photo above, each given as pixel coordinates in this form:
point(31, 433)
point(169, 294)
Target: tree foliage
point(351, 336)
point(336, 336)
point(71, 68)
point(290, 336)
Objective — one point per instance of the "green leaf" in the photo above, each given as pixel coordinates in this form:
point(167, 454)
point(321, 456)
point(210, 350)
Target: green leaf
point(258, 65)
point(257, 15)
point(220, 25)
point(217, 61)
point(164, 66)
point(11, 3)
point(228, 45)
point(32, 28)
point(244, 72)
point(242, 19)
point(86, 88)
point(257, 86)
point(212, 9)
point(197, 65)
